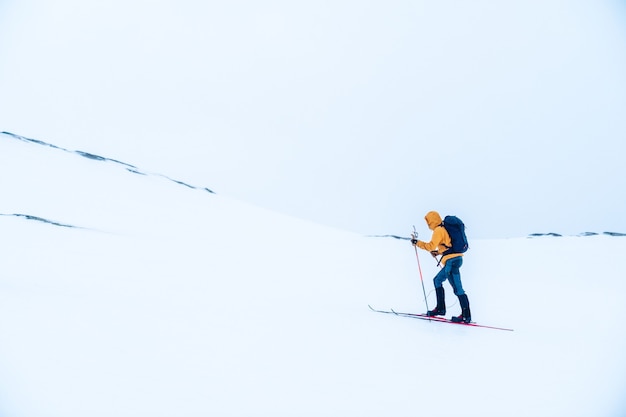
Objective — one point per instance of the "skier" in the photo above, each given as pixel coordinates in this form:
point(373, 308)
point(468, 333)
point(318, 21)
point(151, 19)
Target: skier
point(440, 242)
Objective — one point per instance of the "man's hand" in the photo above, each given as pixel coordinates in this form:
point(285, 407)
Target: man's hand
point(434, 253)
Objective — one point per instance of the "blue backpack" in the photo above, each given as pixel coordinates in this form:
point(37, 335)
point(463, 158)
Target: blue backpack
point(456, 229)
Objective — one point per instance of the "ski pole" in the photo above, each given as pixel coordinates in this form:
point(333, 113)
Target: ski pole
point(419, 267)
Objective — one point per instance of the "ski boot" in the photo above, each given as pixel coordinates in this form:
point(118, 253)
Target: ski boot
point(466, 315)
point(440, 310)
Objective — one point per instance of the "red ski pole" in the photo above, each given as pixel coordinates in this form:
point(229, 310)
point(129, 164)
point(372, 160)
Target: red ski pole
point(419, 267)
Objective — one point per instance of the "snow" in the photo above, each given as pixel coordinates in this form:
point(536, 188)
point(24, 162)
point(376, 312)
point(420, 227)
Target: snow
point(164, 300)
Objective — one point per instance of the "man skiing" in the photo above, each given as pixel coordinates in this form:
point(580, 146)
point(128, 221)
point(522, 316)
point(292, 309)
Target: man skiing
point(441, 244)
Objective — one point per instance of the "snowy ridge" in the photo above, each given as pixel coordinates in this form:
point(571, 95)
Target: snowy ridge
point(532, 235)
point(39, 219)
point(128, 167)
point(584, 234)
point(392, 236)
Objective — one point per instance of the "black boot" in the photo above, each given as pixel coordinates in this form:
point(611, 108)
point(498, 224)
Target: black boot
point(440, 310)
point(466, 315)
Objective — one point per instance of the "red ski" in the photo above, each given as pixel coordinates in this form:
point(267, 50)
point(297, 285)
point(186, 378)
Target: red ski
point(436, 318)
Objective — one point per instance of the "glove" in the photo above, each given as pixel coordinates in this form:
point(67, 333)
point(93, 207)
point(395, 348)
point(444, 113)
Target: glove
point(434, 253)
point(414, 241)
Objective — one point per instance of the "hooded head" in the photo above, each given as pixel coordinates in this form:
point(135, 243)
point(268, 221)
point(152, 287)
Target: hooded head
point(433, 219)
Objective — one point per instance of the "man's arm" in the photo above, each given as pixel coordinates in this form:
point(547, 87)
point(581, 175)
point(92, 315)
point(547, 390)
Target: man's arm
point(435, 241)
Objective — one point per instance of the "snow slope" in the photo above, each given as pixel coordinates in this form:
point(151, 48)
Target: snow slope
point(125, 293)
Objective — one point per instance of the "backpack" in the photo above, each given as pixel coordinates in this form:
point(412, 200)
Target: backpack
point(456, 229)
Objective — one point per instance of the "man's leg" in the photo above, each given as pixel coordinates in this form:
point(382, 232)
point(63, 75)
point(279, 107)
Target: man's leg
point(440, 309)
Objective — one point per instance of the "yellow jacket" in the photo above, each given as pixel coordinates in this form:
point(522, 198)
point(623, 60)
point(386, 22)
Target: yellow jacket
point(440, 241)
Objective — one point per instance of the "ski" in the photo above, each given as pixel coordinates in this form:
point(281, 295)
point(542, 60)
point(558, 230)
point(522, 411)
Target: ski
point(436, 318)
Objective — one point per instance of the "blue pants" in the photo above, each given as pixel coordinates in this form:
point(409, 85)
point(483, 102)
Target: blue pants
point(451, 273)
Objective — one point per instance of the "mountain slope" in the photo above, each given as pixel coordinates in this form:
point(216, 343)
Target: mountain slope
point(165, 300)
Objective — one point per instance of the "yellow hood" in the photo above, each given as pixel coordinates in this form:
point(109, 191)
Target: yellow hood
point(433, 219)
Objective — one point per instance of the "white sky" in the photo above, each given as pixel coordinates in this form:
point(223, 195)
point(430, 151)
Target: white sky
point(349, 113)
